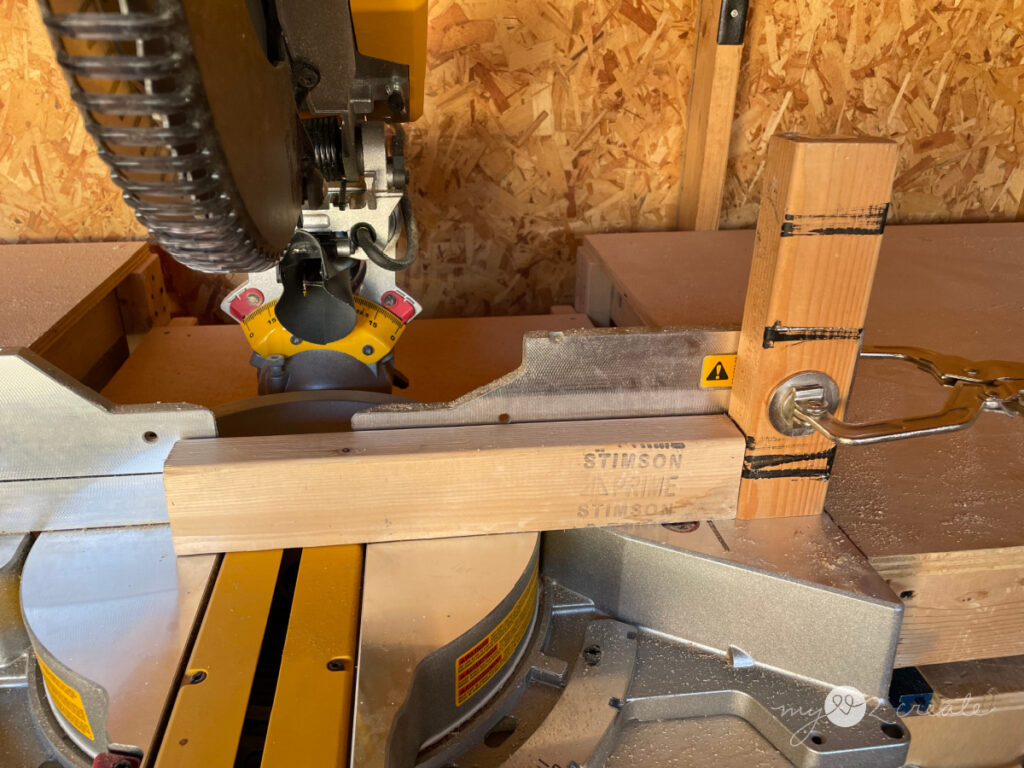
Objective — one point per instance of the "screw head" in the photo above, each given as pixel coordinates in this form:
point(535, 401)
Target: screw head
point(367, 350)
point(336, 665)
point(197, 677)
point(734, 13)
point(305, 75)
point(396, 101)
point(592, 655)
point(390, 300)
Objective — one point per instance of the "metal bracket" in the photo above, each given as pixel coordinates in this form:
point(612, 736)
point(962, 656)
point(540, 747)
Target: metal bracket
point(732, 23)
point(809, 392)
point(804, 403)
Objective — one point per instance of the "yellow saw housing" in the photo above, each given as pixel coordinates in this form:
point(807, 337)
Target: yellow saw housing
point(395, 30)
point(376, 332)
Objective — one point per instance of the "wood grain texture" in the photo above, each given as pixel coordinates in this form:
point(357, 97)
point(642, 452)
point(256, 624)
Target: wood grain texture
point(815, 251)
point(989, 684)
point(991, 740)
point(260, 493)
point(716, 71)
point(942, 80)
point(959, 605)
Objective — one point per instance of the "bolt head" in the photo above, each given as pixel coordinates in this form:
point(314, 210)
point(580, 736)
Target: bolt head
point(306, 76)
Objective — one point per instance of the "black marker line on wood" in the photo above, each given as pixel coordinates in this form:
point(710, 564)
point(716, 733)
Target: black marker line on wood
point(773, 465)
point(777, 332)
point(862, 221)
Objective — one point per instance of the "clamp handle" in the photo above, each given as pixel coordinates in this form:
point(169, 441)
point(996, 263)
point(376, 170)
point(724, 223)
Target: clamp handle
point(806, 403)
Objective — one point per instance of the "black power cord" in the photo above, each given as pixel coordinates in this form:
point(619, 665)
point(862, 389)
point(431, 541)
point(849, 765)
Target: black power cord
point(366, 239)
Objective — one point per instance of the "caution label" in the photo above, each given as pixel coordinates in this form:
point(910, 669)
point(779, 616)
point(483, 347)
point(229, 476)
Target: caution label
point(67, 700)
point(477, 666)
point(717, 371)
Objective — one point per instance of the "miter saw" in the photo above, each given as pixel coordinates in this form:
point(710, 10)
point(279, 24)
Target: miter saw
point(254, 137)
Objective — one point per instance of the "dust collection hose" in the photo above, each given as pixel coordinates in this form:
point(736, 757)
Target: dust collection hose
point(366, 239)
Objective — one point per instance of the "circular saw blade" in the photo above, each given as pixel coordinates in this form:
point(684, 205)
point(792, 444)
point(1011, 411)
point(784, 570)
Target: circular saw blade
point(198, 126)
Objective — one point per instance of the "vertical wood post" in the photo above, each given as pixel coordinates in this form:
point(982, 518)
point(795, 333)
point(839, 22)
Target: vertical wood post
point(716, 71)
point(819, 230)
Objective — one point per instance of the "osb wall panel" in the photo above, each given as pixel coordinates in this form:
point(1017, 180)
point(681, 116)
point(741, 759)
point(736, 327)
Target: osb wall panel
point(945, 79)
point(549, 119)
point(543, 121)
point(53, 187)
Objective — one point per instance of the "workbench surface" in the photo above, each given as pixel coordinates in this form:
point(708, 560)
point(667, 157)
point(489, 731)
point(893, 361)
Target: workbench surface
point(209, 364)
point(48, 287)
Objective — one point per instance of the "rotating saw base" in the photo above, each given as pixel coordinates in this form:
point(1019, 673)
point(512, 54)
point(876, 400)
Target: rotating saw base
point(610, 678)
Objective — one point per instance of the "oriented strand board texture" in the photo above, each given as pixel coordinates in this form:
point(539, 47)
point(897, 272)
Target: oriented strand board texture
point(945, 79)
point(53, 187)
point(543, 121)
point(549, 119)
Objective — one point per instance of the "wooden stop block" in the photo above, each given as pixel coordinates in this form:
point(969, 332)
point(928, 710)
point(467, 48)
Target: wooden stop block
point(819, 231)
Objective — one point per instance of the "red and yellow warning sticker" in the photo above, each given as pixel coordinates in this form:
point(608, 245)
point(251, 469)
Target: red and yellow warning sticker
point(477, 666)
point(67, 700)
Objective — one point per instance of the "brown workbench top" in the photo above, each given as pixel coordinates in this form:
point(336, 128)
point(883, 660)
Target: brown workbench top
point(209, 364)
point(48, 287)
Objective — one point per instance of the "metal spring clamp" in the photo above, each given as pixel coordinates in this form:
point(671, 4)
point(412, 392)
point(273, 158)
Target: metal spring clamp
point(805, 403)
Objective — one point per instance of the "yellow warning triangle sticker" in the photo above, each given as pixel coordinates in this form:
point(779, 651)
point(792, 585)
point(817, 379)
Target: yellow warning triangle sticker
point(717, 371)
